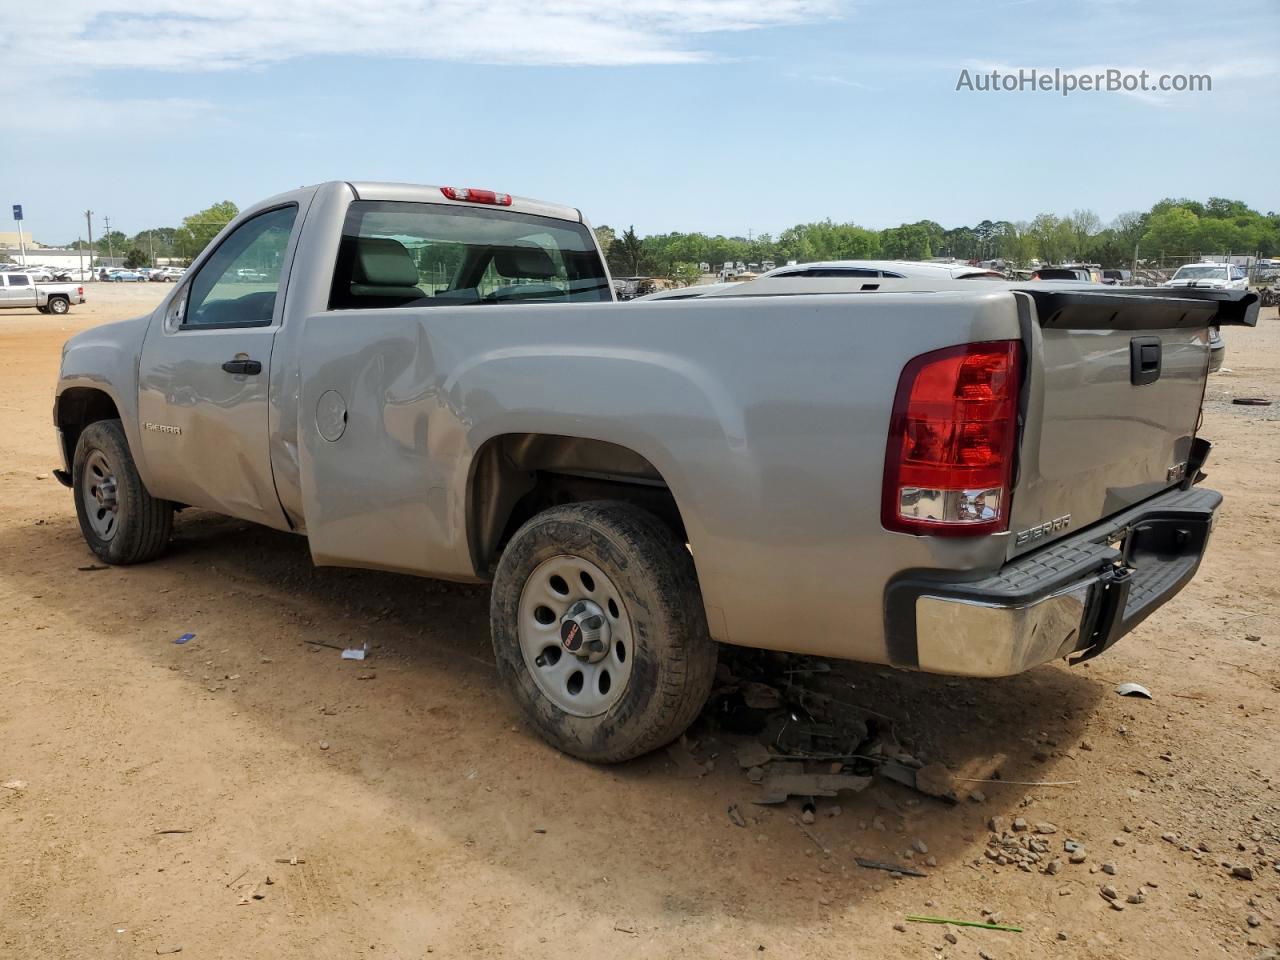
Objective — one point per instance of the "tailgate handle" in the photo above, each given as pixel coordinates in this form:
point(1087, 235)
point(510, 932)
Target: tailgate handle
point(1144, 360)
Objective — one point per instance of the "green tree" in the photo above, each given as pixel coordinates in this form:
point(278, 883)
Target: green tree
point(1171, 232)
point(200, 228)
point(907, 242)
point(135, 258)
point(626, 254)
point(1083, 225)
point(604, 237)
point(114, 241)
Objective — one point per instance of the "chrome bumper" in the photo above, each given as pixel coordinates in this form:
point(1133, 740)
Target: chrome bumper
point(1078, 595)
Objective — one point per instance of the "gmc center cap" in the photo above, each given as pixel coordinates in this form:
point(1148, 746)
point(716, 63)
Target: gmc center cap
point(583, 628)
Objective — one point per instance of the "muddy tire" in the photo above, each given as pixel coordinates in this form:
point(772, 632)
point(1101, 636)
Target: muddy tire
point(617, 582)
point(121, 522)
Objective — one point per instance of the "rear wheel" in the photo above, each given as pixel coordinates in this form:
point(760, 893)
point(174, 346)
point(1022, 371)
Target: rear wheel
point(599, 631)
point(121, 522)
point(58, 305)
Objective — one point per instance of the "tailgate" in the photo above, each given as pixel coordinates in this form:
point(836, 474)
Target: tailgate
point(1114, 387)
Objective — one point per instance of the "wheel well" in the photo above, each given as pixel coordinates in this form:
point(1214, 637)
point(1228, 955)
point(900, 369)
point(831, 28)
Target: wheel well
point(516, 476)
point(77, 408)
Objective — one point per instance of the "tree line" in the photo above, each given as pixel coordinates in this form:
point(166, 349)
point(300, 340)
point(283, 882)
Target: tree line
point(1172, 228)
point(184, 242)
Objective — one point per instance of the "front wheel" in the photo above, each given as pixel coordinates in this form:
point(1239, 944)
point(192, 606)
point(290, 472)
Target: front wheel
point(599, 630)
point(120, 520)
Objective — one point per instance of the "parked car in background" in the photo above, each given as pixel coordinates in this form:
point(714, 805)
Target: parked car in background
point(883, 269)
point(166, 274)
point(19, 289)
point(1215, 276)
point(1120, 278)
point(1079, 274)
point(685, 293)
point(125, 276)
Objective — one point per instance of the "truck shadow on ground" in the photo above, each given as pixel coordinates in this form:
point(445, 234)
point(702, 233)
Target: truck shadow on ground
point(437, 740)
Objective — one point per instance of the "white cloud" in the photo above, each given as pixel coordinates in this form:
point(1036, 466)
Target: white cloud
point(231, 34)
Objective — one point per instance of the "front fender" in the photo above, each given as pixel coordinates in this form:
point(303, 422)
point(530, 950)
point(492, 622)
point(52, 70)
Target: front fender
point(105, 358)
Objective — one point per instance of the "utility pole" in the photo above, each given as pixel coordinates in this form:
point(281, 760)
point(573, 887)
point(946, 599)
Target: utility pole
point(80, 252)
point(111, 254)
point(88, 218)
point(151, 241)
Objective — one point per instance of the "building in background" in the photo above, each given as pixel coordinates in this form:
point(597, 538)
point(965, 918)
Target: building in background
point(9, 238)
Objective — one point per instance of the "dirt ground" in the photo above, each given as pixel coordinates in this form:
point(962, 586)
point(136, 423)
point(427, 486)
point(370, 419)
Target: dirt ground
point(150, 788)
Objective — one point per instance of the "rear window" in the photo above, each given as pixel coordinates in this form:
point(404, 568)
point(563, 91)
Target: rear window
point(396, 254)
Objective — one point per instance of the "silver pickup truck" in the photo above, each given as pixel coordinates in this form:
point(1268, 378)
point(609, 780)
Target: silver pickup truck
point(22, 290)
point(437, 381)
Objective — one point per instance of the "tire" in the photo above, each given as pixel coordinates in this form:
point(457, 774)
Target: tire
point(139, 526)
point(658, 644)
point(58, 305)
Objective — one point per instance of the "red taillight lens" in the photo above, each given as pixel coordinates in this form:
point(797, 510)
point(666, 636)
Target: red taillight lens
point(80, 291)
point(474, 195)
point(952, 440)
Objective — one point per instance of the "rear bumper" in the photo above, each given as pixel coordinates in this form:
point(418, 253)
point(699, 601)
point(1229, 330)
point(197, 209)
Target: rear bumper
point(1078, 595)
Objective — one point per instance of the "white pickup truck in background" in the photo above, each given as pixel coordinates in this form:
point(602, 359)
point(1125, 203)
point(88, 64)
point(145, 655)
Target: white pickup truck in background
point(22, 290)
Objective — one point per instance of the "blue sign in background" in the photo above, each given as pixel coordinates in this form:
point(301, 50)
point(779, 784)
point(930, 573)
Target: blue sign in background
point(17, 211)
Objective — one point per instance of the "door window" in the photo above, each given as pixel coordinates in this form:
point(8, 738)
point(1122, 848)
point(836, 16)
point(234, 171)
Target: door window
point(19, 280)
point(237, 285)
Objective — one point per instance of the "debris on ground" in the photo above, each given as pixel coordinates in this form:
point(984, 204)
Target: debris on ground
point(14, 784)
point(735, 816)
point(89, 567)
point(356, 653)
point(888, 867)
point(965, 923)
point(185, 638)
point(687, 765)
point(807, 740)
point(779, 787)
point(163, 951)
point(1134, 690)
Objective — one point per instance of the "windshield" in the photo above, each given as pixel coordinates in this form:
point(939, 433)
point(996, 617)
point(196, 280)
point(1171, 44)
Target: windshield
point(1201, 273)
point(397, 254)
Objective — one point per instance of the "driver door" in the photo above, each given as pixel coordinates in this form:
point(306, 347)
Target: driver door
point(204, 374)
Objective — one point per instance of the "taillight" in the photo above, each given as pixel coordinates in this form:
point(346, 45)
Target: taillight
point(949, 461)
point(80, 291)
point(473, 195)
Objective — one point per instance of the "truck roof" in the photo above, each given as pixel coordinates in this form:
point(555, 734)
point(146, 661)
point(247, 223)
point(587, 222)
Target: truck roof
point(427, 193)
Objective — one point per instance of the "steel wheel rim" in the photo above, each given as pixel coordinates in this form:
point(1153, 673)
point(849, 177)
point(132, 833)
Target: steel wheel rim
point(99, 494)
point(579, 687)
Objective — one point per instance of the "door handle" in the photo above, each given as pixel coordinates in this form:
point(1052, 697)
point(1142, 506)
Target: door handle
point(250, 367)
point(1144, 360)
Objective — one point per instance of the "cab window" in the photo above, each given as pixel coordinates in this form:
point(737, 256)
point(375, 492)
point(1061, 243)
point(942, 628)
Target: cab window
point(237, 285)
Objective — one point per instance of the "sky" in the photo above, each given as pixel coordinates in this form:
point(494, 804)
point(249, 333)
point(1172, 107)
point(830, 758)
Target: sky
point(716, 115)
